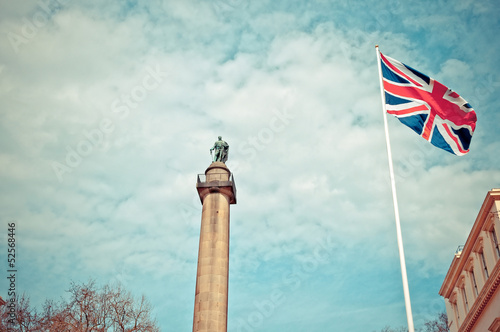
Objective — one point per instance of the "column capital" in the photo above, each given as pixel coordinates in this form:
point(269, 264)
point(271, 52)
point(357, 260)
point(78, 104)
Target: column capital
point(217, 179)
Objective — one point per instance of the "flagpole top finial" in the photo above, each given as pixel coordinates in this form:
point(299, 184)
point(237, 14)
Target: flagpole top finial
point(376, 46)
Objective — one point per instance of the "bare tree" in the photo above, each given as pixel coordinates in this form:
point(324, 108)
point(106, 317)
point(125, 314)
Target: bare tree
point(53, 317)
point(19, 316)
point(391, 329)
point(440, 324)
point(89, 308)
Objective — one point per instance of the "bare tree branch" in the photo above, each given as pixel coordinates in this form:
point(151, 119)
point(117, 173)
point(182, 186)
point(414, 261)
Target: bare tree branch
point(89, 309)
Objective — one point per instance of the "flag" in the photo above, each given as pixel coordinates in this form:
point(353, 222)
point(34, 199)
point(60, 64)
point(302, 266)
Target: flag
point(432, 110)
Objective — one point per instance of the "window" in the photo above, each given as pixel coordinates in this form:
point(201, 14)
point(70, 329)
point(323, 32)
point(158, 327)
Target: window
point(473, 278)
point(495, 326)
point(483, 263)
point(453, 302)
point(464, 295)
point(455, 310)
point(495, 242)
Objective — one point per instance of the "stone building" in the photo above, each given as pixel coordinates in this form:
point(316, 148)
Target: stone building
point(470, 288)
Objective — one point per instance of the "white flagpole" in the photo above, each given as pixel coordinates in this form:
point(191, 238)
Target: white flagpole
point(406, 290)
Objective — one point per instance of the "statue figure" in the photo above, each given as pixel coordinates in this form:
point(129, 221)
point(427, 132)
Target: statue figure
point(221, 151)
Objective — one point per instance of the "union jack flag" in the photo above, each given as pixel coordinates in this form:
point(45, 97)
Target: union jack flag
point(433, 111)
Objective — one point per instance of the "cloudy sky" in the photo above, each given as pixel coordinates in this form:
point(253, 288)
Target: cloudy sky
point(108, 111)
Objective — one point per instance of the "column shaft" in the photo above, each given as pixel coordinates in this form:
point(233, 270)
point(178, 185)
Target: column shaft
point(211, 296)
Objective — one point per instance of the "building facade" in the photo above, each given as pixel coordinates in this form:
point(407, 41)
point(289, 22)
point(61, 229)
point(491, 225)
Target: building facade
point(471, 287)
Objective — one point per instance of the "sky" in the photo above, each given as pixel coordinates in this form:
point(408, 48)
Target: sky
point(108, 111)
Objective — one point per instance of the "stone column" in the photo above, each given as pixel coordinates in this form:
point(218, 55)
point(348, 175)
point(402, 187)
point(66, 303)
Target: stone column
point(217, 191)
